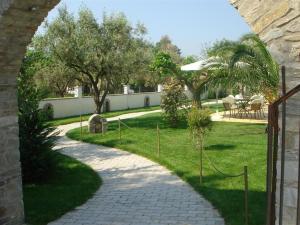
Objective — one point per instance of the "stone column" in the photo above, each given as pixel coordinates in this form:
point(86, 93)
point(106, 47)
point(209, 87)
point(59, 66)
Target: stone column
point(11, 204)
point(160, 88)
point(126, 89)
point(78, 92)
point(19, 20)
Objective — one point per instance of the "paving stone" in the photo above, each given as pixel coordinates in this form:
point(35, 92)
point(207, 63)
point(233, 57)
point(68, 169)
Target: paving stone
point(135, 190)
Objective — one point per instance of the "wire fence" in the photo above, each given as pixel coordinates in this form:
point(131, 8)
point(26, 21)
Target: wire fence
point(163, 140)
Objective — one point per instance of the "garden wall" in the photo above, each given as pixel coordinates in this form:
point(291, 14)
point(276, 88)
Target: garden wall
point(64, 107)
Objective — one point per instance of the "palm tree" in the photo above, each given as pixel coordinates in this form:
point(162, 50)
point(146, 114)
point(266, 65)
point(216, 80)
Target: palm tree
point(248, 63)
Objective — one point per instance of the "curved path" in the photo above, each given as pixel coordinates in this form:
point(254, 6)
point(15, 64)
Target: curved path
point(135, 190)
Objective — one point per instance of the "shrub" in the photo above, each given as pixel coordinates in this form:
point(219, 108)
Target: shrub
point(35, 139)
point(173, 99)
point(48, 111)
point(199, 122)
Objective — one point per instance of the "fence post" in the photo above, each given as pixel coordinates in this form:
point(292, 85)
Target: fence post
point(201, 164)
point(81, 127)
point(119, 129)
point(158, 141)
point(246, 195)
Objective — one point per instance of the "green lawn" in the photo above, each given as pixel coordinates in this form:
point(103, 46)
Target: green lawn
point(71, 184)
point(230, 146)
point(74, 119)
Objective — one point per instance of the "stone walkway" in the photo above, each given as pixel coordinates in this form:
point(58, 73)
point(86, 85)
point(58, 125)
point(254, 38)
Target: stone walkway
point(135, 190)
point(219, 117)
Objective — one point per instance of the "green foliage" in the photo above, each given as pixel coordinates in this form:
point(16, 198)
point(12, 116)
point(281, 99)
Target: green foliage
point(35, 139)
point(56, 77)
point(163, 66)
point(104, 55)
point(165, 45)
point(195, 80)
point(173, 99)
point(229, 145)
point(212, 93)
point(48, 112)
point(199, 122)
point(246, 62)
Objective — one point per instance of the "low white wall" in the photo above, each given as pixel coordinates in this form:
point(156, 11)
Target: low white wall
point(64, 107)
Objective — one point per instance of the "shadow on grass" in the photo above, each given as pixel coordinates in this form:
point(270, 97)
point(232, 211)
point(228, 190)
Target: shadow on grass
point(230, 202)
point(71, 185)
point(221, 147)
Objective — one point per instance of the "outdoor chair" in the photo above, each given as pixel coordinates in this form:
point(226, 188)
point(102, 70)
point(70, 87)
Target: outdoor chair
point(256, 108)
point(229, 108)
point(261, 99)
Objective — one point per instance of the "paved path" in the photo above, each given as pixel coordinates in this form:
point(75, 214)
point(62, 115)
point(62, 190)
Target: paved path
point(135, 190)
point(219, 117)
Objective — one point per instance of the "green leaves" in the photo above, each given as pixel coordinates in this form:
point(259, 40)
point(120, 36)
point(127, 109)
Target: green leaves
point(163, 66)
point(173, 99)
point(246, 62)
point(103, 54)
point(36, 137)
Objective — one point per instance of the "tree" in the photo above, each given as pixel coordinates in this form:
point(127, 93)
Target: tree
point(246, 62)
point(142, 75)
point(194, 80)
point(56, 77)
point(36, 137)
point(101, 53)
point(199, 122)
point(173, 99)
point(165, 45)
point(163, 66)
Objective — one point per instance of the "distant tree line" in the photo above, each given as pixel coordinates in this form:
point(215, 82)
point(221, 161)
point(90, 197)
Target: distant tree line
point(104, 55)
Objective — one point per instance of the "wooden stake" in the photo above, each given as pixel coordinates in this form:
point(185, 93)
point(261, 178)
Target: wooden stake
point(119, 129)
point(81, 127)
point(158, 141)
point(246, 195)
point(201, 164)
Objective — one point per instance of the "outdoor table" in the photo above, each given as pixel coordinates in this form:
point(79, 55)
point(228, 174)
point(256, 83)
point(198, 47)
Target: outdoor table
point(242, 106)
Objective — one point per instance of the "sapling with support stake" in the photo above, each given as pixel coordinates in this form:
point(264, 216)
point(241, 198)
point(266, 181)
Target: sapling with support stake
point(200, 124)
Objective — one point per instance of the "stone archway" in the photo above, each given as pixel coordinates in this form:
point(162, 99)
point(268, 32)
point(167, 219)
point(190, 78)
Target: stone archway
point(277, 22)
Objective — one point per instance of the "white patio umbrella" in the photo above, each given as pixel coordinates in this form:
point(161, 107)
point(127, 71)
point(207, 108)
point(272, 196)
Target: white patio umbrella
point(199, 65)
point(202, 64)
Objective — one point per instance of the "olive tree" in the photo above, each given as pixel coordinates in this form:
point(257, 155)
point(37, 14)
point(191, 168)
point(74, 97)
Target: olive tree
point(104, 54)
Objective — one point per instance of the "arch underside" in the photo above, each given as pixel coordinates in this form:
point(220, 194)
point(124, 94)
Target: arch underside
point(276, 21)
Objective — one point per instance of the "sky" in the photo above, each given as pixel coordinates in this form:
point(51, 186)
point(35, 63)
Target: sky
point(191, 24)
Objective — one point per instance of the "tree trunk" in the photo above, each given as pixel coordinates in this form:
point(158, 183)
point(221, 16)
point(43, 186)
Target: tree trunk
point(99, 100)
point(96, 96)
point(197, 98)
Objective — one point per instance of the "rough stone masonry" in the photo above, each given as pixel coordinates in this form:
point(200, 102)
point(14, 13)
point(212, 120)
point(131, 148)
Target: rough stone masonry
point(276, 21)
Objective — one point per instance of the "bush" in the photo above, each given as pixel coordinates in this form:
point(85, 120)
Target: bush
point(173, 99)
point(35, 140)
point(199, 122)
point(48, 111)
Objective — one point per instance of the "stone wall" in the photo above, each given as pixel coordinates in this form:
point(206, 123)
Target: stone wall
point(19, 20)
point(278, 23)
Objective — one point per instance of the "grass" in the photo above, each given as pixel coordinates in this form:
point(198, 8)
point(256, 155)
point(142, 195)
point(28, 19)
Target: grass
point(230, 146)
point(71, 184)
point(74, 119)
